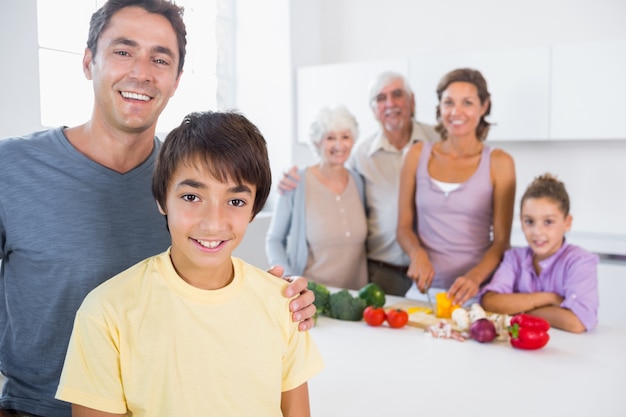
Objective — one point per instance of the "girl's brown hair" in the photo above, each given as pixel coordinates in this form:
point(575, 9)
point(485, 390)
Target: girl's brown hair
point(548, 186)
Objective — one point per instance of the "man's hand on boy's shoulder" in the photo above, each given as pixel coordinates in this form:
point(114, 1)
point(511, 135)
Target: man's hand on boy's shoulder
point(302, 306)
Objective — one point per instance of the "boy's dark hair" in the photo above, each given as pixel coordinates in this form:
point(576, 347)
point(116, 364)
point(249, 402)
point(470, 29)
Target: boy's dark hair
point(229, 146)
point(173, 13)
point(548, 186)
point(472, 76)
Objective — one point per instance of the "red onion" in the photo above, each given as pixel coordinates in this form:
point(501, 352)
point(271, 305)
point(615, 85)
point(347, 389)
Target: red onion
point(483, 331)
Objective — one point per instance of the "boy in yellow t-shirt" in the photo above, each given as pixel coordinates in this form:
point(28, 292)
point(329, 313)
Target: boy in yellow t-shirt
point(194, 331)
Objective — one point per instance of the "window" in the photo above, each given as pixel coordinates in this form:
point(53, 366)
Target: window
point(67, 96)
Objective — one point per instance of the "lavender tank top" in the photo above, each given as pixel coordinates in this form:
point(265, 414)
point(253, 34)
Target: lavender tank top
point(456, 227)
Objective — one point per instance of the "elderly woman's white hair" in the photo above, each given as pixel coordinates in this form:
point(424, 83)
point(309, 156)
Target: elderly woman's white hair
point(378, 83)
point(328, 119)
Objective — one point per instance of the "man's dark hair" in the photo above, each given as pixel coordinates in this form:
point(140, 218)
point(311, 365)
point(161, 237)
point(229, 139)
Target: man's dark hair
point(173, 13)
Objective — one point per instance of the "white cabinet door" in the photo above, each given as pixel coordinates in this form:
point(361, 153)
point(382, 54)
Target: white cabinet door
point(346, 84)
point(589, 91)
point(612, 287)
point(517, 78)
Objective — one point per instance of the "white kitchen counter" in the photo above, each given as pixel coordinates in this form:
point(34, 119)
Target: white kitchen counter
point(384, 372)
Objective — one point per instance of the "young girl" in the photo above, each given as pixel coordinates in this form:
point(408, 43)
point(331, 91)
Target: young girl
point(550, 278)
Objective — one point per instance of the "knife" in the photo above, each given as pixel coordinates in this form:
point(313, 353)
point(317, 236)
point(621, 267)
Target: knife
point(430, 302)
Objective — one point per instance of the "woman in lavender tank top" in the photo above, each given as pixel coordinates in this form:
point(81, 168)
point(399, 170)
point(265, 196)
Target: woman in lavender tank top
point(457, 195)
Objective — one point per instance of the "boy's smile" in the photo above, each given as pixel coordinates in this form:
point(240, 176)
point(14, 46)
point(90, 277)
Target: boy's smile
point(207, 220)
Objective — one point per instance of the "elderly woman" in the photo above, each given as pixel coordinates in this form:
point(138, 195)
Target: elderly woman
point(319, 229)
point(459, 192)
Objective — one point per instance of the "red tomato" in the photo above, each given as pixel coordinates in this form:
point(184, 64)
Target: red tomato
point(397, 318)
point(374, 316)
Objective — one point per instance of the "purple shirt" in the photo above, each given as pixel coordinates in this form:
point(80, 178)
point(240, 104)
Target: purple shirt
point(455, 228)
point(571, 272)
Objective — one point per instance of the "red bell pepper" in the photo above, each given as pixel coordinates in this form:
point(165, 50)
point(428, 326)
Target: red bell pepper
point(528, 332)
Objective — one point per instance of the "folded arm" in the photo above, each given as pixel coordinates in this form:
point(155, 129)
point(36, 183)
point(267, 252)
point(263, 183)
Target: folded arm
point(546, 305)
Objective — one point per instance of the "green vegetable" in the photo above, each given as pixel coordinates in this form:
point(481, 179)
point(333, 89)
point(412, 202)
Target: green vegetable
point(340, 305)
point(373, 295)
point(322, 294)
point(344, 306)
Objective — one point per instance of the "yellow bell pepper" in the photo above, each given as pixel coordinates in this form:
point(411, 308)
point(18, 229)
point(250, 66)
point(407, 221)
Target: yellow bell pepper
point(412, 310)
point(444, 306)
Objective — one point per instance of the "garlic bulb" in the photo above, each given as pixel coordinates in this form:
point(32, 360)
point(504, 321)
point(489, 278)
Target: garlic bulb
point(476, 313)
point(461, 318)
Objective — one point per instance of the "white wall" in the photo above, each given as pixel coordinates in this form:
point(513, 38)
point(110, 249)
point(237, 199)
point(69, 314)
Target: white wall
point(356, 30)
point(19, 82)
point(367, 30)
point(264, 77)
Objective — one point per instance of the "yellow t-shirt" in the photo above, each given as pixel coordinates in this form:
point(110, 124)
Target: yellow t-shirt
point(147, 342)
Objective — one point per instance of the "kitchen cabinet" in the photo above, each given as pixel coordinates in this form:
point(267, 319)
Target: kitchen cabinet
point(346, 84)
point(588, 86)
point(547, 92)
point(612, 289)
point(517, 78)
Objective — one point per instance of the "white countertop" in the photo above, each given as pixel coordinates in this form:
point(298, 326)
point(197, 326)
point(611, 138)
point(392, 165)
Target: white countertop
point(384, 372)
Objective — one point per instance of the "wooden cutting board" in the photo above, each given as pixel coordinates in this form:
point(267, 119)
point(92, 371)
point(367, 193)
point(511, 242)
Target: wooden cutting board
point(418, 319)
point(424, 320)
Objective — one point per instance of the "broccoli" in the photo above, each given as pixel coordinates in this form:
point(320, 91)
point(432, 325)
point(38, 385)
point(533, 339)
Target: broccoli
point(343, 306)
point(322, 294)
